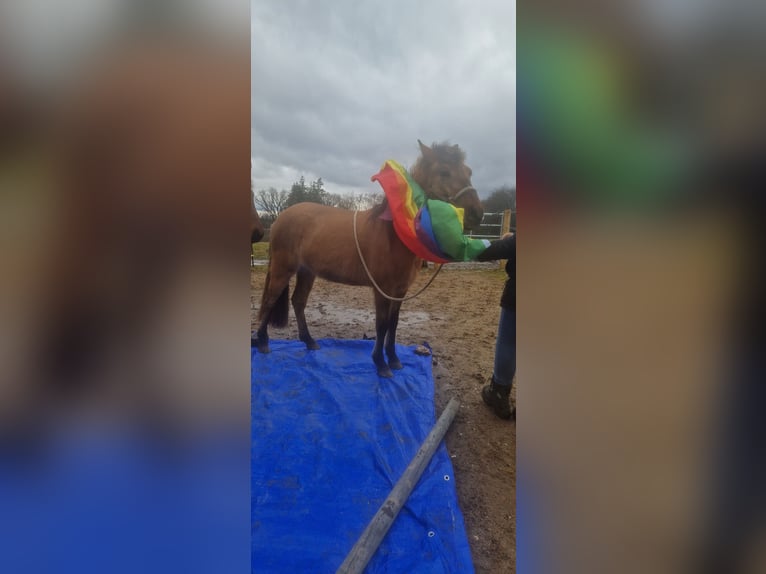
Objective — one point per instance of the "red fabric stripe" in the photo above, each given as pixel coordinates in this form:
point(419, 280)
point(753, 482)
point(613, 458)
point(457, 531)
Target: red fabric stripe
point(396, 187)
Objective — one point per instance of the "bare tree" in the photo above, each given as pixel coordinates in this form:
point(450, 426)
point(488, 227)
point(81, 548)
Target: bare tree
point(368, 200)
point(353, 200)
point(342, 200)
point(270, 201)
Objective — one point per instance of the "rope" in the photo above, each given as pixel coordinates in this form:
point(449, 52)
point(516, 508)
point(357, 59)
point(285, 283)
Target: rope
point(374, 284)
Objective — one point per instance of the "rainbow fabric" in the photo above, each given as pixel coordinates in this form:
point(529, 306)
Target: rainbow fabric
point(583, 139)
point(430, 228)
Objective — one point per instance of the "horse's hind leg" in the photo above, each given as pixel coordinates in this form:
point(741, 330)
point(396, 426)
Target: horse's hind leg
point(303, 285)
point(393, 321)
point(382, 307)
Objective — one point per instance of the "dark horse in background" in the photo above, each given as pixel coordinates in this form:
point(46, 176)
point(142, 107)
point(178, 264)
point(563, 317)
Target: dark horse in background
point(256, 227)
point(310, 240)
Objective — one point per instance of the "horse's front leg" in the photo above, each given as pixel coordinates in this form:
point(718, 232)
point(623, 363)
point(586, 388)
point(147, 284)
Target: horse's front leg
point(393, 321)
point(382, 318)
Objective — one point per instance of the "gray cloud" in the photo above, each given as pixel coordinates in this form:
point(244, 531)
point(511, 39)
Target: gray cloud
point(339, 87)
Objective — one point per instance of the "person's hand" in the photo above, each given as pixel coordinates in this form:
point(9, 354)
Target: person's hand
point(507, 235)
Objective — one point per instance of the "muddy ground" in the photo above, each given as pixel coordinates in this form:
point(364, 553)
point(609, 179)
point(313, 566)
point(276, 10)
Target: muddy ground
point(458, 317)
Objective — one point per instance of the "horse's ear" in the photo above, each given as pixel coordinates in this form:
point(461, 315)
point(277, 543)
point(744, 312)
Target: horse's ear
point(427, 152)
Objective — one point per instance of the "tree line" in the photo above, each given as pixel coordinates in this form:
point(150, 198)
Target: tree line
point(271, 202)
point(501, 199)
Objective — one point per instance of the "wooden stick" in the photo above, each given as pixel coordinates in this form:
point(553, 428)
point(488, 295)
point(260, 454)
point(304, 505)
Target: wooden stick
point(505, 228)
point(376, 530)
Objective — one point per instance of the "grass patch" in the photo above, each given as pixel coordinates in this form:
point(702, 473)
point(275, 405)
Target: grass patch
point(261, 250)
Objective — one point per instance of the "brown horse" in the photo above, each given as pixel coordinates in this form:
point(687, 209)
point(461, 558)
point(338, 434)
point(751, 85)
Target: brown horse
point(313, 240)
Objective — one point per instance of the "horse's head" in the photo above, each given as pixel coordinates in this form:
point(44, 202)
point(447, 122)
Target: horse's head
point(442, 173)
point(256, 227)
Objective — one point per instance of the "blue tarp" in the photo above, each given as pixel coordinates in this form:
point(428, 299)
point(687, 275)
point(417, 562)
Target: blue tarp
point(330, 440)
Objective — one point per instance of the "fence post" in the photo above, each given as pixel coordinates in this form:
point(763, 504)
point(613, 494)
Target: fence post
point(505, 228)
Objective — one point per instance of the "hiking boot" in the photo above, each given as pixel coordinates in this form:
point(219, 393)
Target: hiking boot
point(499, 398)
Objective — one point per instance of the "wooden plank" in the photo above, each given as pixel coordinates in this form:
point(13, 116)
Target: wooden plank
point(376, 530)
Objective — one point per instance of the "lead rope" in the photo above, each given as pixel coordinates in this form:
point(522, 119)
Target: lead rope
point(377, 287)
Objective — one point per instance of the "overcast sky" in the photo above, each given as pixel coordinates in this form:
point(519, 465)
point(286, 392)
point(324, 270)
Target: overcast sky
point(340, 86)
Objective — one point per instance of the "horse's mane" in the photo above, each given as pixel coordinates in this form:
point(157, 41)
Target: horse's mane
point(443, 152)
point(380, 208)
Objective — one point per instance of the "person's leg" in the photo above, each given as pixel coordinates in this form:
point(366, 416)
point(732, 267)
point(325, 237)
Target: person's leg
point(497, 393)
point(505, 349)
point(737, 512)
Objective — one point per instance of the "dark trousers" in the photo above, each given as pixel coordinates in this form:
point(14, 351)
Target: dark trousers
point(505, 348)
point(738, 497)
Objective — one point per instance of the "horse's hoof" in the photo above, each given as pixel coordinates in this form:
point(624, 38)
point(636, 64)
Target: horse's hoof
point(395, 364)
point(385, 372)
point(312, 345)
point(262, 348)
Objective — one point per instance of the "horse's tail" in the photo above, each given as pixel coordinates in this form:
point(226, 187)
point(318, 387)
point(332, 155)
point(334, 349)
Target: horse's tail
point(279, 312)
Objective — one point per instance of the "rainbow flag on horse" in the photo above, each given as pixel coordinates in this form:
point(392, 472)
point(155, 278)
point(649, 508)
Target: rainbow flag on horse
point(432, 229)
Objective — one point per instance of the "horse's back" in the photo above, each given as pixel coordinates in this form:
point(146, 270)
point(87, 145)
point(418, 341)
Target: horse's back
point(309, 221)
point(320, 239)
point(310, 232)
